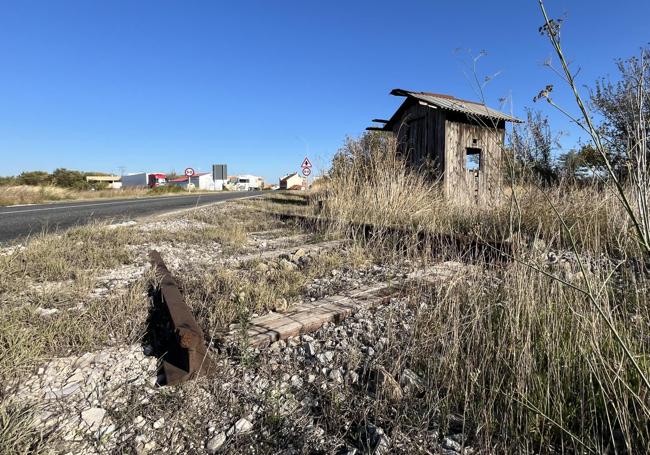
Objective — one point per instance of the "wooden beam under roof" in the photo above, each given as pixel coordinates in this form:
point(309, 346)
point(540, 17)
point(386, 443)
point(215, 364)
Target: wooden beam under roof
point(379, 120)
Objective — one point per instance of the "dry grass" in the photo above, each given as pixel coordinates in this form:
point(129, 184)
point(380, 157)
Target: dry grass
point(70, 255)
point(18, 433)
point(27, 194)
point(58, 272)
point(28, 338)
point(283, 202)
point(529, 360)
point(375, 187)
point(223, 296)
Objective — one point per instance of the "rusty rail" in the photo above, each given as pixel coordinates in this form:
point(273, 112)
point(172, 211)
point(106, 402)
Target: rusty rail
point(185, 353)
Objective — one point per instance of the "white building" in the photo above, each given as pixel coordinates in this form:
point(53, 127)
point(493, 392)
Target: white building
point(249, 182)
point(203, 181)
point(293, 182)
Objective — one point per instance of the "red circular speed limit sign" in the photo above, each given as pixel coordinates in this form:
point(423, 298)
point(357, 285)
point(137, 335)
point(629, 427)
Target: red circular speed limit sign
point(306, 171)
point(189, 172)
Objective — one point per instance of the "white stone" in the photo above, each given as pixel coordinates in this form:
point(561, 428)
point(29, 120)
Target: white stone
point(68, 390)
point(215, 443)
point(450, 444)
point(93, 417)
point(243, 425)
point(296, 381)
point(159, 423)
point(139, 421)
point(45, 312)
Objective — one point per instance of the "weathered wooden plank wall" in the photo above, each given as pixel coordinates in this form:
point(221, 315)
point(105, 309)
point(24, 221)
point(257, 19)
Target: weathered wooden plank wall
point(459, 182)
point(419, 139)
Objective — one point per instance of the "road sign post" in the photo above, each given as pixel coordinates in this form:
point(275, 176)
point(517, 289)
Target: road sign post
point(189, 172)
point(306, 167)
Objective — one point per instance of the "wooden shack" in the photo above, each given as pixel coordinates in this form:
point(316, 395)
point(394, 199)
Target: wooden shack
point(456, 141)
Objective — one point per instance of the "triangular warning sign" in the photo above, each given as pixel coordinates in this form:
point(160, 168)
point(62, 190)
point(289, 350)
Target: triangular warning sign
point(306, 163)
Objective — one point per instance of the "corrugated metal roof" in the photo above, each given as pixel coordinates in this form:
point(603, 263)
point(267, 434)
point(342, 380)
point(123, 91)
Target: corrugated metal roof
point(454, 104)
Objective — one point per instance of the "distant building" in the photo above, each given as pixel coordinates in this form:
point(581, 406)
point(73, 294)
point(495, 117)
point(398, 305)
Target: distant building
point(247, 182)
point(144, 180)
point(293, 182)
point(113, 181)
point(202, 181)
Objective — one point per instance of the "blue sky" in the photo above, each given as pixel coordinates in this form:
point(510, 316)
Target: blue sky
point(161, 85)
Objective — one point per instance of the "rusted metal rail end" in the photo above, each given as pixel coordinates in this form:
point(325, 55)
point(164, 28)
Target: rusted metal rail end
point(186, 355)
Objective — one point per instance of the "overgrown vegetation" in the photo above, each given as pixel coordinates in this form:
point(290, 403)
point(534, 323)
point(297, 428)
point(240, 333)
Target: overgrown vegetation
point(61, 177)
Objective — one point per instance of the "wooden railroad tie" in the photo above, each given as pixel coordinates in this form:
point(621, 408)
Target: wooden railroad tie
point(309, 317)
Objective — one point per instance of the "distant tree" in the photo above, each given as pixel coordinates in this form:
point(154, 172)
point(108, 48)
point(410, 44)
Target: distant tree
point(570, 165)
point(625, 110)
point(34, 178)
point(582, 163)
point(532, 144)
point(69, 179)
point(359, 151)
point(8, 180)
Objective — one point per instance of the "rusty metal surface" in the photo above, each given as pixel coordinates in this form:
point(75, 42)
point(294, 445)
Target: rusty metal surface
point(185, 353)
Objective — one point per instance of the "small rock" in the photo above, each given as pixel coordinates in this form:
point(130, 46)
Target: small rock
point(299, 254)
point(287, 265)
point(296, 381)
point(410, 380)
point(309, 348)
point(336, 376)
point(46, 312)
point(243, 425)
point(139, 421)
point(378, 440)
point(159, 423)
point(450, 444)
point(93, 417)
point(215, 443)
point(68, 390)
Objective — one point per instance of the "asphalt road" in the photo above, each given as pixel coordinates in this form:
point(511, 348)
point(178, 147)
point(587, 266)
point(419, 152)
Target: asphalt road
point(19, 221)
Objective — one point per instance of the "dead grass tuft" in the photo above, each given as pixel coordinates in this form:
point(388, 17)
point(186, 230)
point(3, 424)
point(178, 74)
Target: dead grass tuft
point(18, 434)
